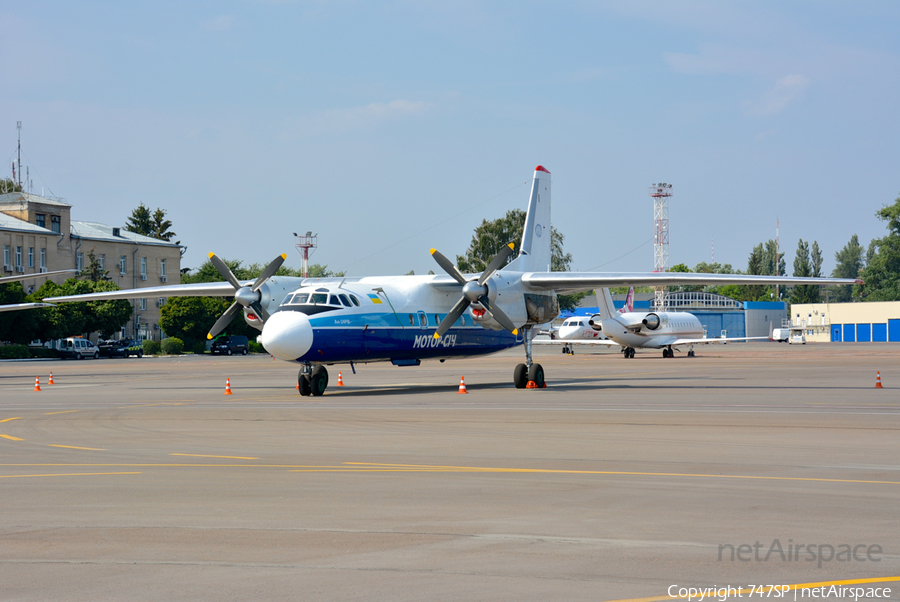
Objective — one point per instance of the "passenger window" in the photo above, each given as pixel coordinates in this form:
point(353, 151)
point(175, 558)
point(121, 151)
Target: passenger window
point(423, 320)
point(412, 320)
point(318, 298)
point(437, 319)
point(345, 300)
point(355, 300)
point(462, 320)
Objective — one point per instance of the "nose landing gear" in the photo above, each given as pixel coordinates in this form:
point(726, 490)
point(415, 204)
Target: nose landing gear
point(312, 380)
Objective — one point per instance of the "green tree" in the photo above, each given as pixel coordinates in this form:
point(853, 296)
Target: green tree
point(16, 326)
point(803, 268)
point(67, 319)
point(140, 221)
point(491, 236)
point(849, 264)
point(93, 271)
point(7, 186)
point(882, 272)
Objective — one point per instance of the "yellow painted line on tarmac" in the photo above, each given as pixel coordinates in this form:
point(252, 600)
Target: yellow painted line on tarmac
point(8, 419)
point(226, 457)
point(61, 412)
point(64, 474)
point(11, 438)
point(767, 589)
point(73, 447)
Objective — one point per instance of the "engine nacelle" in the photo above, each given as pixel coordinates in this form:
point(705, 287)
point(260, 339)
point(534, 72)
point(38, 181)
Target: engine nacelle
point(596, 322)
point(651, 321)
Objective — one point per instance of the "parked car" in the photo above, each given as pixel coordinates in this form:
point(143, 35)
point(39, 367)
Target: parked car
point(77, 348)
point(229, 345)
point(122, 348)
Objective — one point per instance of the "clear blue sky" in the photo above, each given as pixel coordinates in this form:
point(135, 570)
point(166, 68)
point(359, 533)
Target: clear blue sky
point(392, 127)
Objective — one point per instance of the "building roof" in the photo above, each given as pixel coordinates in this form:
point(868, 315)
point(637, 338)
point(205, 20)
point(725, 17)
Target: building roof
point(98, 231)
point(12, 198)
point(8, 222)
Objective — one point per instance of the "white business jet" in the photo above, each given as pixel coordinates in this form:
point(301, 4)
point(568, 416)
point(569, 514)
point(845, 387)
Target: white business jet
point(581, 330)
point(406, 319)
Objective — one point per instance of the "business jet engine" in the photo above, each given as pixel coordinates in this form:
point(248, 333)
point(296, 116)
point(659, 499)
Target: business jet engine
point(596, 322)
point(651, 321)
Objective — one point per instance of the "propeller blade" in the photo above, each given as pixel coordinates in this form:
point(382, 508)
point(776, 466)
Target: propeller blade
point(496, 263)
point(260, 311)
point(498, 314)
point(448, 266)
point(452, 317)
point(224, 320)
point(224, 270)
point(268, 272)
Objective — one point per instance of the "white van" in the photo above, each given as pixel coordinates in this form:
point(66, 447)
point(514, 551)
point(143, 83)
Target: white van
point(797, 338)
point(78, 348)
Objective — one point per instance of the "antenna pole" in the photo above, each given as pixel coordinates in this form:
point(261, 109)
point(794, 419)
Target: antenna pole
point(19, 153)
point(660, 193)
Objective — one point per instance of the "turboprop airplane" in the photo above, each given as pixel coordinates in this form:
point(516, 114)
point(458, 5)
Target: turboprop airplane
point(406, 319)
point(19, 306)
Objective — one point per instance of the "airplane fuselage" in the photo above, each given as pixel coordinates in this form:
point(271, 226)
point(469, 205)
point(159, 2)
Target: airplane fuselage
point(629, 330)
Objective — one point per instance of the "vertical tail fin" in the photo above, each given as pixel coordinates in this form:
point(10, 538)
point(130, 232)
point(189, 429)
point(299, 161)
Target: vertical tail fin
point(535, 252)
point(605, 306)
point(629, 302)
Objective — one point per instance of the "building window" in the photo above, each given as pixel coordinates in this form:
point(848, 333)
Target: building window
point(144, 304)
point(79, 261)
point(101, 259)
point(18, 257)
point(162, 268)
point(161, 302)
point(123, 264)
point(43, 258)
point(40, 219)
point(6, 255)
point(54, 223)
point(144, 268)
point(31, 257)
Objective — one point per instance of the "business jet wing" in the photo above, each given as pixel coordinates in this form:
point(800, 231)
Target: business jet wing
point(569, 342)
point(19, 306)
point(572, 282)
point(20, 277)
point(707, 341)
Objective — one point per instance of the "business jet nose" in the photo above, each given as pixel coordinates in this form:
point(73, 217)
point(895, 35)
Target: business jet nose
point(287, 335)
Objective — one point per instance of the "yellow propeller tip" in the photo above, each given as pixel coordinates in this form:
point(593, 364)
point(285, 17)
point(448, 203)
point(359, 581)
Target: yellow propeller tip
point(433, 251)
point(208, 336)
point(515, 331)
point(437, 336)
point(211, 255)
point(512, 245)
point(284, 255)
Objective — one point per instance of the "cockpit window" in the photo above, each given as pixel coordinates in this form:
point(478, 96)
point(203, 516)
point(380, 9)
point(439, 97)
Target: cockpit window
point(355, 300)
point(318, 299)
point(334, 301)
point(345, 300)
point(299, 299)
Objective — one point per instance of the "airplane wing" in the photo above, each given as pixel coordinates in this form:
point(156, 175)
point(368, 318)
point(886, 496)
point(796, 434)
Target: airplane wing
point(6, 279)
point(18, 306)
point(571, 282)
point(707, 341)
point(201, 289)
point(601, 342)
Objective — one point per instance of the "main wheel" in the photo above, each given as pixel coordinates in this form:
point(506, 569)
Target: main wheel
point(303, 381)
point(691, 353)
point(317, 383)
point(520, 376)
point(323, 373)
point(536, 373)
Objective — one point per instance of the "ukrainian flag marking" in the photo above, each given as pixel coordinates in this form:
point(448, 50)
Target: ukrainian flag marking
point(375, 299)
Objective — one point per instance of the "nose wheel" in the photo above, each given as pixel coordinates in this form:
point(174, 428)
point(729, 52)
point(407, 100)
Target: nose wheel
point(312, 380)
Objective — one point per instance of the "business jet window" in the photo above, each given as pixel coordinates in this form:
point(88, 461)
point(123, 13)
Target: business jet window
point(345, 300)
point(318, 299)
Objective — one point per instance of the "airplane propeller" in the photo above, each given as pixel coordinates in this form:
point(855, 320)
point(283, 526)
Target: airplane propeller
point(244, 295)
point(474, 291)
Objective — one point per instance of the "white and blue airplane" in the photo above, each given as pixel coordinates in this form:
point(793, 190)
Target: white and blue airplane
point(407, 319)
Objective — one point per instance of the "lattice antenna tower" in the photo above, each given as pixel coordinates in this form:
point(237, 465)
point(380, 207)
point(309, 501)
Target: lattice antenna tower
point(660, 193)
point(305, 242)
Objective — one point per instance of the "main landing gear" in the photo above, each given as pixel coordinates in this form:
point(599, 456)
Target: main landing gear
point(568, 350)
point(628, 352)
point(529, 372)
point(312, 380)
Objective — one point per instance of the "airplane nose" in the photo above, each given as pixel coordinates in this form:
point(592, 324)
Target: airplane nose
point(287, 335)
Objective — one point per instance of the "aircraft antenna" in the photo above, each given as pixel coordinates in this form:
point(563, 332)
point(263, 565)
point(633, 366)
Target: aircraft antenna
point(660, 194)
point(305, 242)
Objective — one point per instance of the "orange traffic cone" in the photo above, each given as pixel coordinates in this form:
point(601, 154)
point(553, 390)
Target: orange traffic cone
point(37, 383)
point(228, 386)
point(50, 382)
point(531, 385)
point(340, 380)
point(298, 386)
point(878, 381)
point(462, 386)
